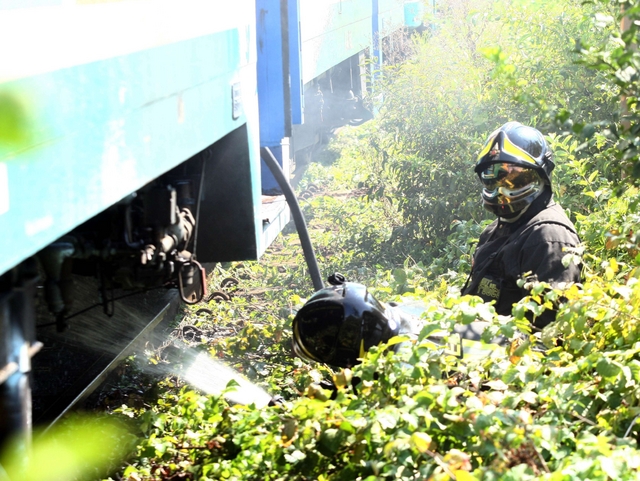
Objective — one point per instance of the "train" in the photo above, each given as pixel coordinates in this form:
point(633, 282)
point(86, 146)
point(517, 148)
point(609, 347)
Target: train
point(130, 140)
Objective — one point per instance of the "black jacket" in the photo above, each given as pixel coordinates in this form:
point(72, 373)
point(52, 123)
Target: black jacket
point(533, 244)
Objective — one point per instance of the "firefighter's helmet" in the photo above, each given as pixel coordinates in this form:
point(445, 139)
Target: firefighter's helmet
point(338, 324)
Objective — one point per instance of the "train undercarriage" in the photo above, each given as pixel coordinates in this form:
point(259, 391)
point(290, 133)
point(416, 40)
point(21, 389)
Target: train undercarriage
point(146, 242)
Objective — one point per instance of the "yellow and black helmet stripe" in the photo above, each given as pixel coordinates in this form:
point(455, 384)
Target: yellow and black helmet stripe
point(499, 148)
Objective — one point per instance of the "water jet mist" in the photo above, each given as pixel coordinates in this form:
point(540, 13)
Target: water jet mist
point(212, 377)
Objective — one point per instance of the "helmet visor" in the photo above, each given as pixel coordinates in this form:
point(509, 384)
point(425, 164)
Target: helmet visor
point(316, 332)
point(507, 176)
point(337, 325)
point(509, 188)
point(324, 334)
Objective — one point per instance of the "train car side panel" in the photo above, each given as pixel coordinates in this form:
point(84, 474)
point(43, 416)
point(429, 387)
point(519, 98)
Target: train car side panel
point(101, 129)
point(391, 14)
point(332, 31)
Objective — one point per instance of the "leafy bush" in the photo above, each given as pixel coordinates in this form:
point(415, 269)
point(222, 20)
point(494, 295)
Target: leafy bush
point(616, 56)
point(398, 211)
point(489, 63)
point(523, 415)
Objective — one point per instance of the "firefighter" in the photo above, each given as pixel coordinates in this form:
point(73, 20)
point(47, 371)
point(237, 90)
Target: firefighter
point(531, 233)
point(529, 238)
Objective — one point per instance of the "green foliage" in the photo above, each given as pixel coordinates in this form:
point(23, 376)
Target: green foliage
point(488, 63)
point(617, 58)
point(519, 414)
point(79, 448)
point(14, 128)
point(397, 209)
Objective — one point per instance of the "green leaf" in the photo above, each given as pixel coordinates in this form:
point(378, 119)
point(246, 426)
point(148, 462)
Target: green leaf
point(330, 441)
point(400, 276)
point(421, 441)
point(75, 449)
point(387, 419)
point(462, 475)
point(607, 368)
point(14, 127)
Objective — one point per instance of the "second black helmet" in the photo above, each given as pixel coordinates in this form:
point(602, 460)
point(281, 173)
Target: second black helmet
point(338, 324)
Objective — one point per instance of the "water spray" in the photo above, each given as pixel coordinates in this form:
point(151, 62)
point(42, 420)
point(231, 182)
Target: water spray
point(212, 377)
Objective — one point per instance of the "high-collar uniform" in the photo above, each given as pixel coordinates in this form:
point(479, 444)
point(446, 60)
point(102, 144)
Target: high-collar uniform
point(534, 245)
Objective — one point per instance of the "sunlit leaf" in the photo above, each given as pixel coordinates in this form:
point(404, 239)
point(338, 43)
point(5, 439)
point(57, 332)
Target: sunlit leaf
point(14, 127)
point(421, 441)
point(76, 449)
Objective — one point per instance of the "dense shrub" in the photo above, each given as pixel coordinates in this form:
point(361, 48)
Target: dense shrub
point(488, 63)
point(399, 212)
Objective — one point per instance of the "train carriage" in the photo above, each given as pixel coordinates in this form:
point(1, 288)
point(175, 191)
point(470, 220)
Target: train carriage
point(132, 136)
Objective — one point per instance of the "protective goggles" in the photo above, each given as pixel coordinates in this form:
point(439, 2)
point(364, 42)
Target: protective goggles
point(508, 176)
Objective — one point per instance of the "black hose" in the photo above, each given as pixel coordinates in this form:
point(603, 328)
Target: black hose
point(298, 218)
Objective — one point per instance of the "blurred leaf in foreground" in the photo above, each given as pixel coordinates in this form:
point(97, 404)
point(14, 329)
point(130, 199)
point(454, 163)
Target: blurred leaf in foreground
point(82, 448)
point(13, 119)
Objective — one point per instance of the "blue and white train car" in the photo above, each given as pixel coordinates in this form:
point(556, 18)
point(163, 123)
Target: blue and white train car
point(130, 136)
